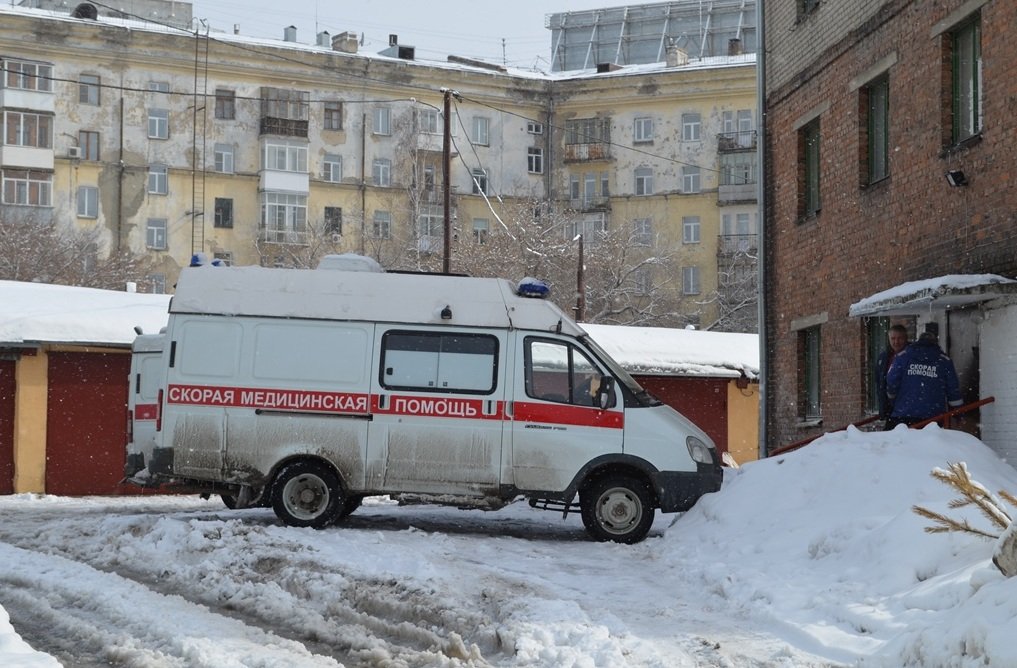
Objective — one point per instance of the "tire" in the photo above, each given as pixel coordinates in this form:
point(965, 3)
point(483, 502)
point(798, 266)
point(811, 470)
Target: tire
point(229, 501)
point(307, 494)
point(617, 508)
point(352, 503)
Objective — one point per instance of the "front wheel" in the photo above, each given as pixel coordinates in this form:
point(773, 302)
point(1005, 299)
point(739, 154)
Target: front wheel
point(618, 508)
point(307, 494)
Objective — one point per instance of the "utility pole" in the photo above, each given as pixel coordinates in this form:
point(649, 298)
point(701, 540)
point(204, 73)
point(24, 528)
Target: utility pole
point(446, 186)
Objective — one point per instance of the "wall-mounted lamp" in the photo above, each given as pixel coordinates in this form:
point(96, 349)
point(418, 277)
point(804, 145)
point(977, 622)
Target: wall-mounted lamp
point(955, 177)
point(446, 313)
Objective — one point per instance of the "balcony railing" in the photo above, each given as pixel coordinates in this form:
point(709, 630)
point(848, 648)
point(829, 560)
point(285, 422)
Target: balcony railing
point(590, 203)
point(736, 141)
point(283, 237)
point(587, 152)
point(729, 244)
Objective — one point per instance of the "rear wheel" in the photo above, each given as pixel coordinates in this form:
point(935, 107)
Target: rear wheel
point(618, 508)
point(307, 494)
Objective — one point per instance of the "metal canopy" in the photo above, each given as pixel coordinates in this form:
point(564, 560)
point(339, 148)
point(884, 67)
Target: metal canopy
point(934, 294)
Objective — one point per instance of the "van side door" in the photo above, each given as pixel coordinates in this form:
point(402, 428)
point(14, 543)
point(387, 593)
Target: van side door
point(557, 423)
point(437, 411)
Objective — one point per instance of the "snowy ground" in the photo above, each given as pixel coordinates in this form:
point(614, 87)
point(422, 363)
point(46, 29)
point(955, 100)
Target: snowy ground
point(809, 559)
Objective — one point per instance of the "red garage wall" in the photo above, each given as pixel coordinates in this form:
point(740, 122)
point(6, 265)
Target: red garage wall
point(86, 423)
point(7, 388)
point(702, 400)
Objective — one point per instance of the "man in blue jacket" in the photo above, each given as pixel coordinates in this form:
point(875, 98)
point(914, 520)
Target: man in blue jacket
point(921, 382)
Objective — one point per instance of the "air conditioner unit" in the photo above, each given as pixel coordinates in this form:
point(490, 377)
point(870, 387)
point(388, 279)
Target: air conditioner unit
point(74, 152)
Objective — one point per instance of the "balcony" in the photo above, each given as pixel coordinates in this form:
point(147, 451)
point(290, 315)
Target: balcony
point(741, 193)
point(283, 237)
point(590, 203)
point(728, 142)
point(587, 152)
point(732, 244)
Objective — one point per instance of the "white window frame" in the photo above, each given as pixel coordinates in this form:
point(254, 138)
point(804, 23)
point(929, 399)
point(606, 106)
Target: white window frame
point(691, 179)
point(381, 172)
point(480, 182)
point(692, 124)
point(332, 168)
point(429, 121)
point(158, 179)
point(482, 130)
point(481, 230)
point(25, 75)
point(643, 181)
point(87, 202)
point(155, 234)
point(283, 217)
point(381, 225)
point(691, 229)
point(534, 127)
point(690, 281)
point(382, 121)
point(642, 231)
point(642, 129)
point(25, 187)
point(224, 158)
point(159, 86)
point(158, 124)
point(29, 129)
point(281, 156)
point(535, 160)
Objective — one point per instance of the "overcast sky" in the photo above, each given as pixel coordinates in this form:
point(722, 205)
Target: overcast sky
point(436, 28)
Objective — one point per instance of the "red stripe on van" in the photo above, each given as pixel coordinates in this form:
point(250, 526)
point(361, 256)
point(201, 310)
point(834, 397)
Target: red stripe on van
point(145, 411)
point(308, 401)
point(438, 406)
point(581, 416)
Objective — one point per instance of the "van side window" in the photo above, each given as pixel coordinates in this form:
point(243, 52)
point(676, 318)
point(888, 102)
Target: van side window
point(560, 372)
point(439, 362)
point(215, 351)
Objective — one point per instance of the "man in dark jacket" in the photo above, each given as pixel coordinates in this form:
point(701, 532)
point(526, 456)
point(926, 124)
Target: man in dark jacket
point(898, 340)
point(921, 382)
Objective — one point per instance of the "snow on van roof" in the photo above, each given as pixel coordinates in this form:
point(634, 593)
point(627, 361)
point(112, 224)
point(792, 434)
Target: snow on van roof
point(682, 352)
point(358, 295)
point(43, 313)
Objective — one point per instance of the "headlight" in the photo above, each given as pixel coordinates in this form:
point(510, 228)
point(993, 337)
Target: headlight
point(699, 451)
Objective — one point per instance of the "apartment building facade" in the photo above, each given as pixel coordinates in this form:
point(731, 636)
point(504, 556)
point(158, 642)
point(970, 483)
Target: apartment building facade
point(888, 162)
point(274, 151)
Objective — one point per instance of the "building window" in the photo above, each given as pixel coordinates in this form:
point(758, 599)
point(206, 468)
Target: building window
point(690, 179)
point(88, 89)
point(808, 170)
point(381, 227)
point(593, 227)
point(223, 212)
point(875, 127)
point(737, 169)
point(809, 406)
point(382, 121)
point(332, 168)
point(481, 229)
point(88, 145)
point(284, 218)
point(535, 160)
point(588, 131)
point(644, 181)
point(965, 45)
point(159, 86)
point(481, 130)
point(642, 129)
point(224, 158)
point(225, 104)
point(88, 202)
point(225, 257)
point(430, 228)
point(427, 121)
point(642, 231)
point(643, 278)
point(158, 179)
point(285, 157)
point(534, 128)
point(157, 283)
point(28, 187)
point(381, 170)
point(158, 124)
point(332, 115)
point(28, 76)
point(22, 128)
point(480, 184)
point(690, 229)
point(155, 233)
point(738, 127)
point(333, 221)
point(690, 280)
point(691, 127)
point(428, 180)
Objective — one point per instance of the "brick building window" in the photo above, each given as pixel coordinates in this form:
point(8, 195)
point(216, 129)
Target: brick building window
point(808, 170)
point(874, 103)
point(965, 47)
point(809, 358)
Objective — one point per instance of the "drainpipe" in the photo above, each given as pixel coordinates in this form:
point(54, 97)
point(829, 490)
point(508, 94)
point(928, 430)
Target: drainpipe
point(120, 179)
point(761, 220)
point(363, 182)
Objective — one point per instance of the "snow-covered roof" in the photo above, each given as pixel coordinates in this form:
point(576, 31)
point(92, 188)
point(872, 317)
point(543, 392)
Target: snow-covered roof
point(942, 292)
point(32, 313)
point(681, 352)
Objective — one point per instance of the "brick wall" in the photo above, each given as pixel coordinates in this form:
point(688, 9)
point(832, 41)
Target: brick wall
point(910, 226)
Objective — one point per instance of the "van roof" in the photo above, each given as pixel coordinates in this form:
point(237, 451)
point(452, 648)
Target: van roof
point(364, 296)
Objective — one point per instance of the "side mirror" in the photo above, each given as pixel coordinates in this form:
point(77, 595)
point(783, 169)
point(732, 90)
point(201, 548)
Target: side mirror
point(605, 393)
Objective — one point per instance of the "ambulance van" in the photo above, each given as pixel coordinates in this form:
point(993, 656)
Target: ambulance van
point(142, 398)
point(307, 390)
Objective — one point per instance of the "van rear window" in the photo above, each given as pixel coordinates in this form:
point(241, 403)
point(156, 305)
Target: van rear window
point(439, 362)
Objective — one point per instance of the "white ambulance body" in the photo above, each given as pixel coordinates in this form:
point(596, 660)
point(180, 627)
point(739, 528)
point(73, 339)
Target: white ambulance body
point(142, 399)
point(308, 390)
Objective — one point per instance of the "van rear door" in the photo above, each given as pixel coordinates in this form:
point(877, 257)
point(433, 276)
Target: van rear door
point(556, 425)
point(437, 405)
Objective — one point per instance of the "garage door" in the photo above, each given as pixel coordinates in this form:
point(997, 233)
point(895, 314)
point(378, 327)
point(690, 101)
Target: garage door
point(6, 427)
point(86, 423)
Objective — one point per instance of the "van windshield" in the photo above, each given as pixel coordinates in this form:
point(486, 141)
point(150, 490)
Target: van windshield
point(621, 374)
